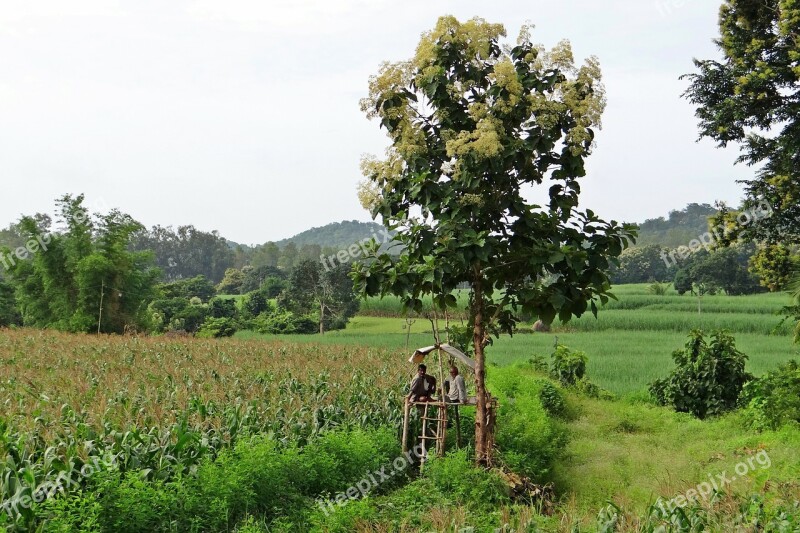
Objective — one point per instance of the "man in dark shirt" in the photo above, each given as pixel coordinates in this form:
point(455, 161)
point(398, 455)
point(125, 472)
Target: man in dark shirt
point(423, 386)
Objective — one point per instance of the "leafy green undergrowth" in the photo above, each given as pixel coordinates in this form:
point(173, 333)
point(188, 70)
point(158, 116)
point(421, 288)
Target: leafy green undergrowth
point(616, 465)
point(262, 484)
point(450, 495)
point(633, 453)
point(259, 476)
point(529, 434)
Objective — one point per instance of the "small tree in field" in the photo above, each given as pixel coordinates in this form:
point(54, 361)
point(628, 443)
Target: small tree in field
point(474, 129)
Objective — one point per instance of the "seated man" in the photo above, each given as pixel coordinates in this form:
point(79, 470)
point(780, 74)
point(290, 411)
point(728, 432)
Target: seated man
point(457, 392)
point(423, 386)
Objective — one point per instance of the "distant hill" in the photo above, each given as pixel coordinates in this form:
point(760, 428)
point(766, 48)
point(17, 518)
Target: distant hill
point(678, 229)
point(336, 234)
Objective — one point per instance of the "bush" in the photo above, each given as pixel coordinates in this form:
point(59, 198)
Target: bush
point(189, 319)
point(539, 364)
point(259, 477)
point(552, 399)
point(708, 378)
point(528, 438)
point(659, 289)
point(568, 367)
point(456, 476)
point(774, 400)
point(461, 338)
point(222, 308)
point(284, 322)
point(215, 328)
point(256, 303)
point(9, 314)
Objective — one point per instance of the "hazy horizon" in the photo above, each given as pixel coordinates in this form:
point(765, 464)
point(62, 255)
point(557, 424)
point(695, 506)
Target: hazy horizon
point(243, 117)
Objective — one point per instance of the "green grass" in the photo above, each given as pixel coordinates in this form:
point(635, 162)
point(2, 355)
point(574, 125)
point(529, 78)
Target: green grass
point(629, 451)
point(629, 344)
point(633, 453)
point(634, 296)
point(620, 361)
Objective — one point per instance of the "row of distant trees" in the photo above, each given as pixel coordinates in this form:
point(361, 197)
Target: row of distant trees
point(96, 273)
point(737, 268)
point(186, 251)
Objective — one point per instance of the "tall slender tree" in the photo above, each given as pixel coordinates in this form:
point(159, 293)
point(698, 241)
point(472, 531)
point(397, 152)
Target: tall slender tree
point(475, 129)
point(751, 98)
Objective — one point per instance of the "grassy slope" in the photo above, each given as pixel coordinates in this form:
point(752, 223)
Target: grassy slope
point(629, 345)
point(632, 453)
point(626, 451)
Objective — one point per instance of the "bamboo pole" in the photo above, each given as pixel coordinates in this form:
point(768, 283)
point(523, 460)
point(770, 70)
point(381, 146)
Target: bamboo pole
point(458, 426)
point(424, 441)
point(442, 409)
point(406, 409)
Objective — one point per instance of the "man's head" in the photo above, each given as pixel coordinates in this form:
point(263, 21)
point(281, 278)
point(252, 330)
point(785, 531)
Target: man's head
point(421, 369)
point(453, 370)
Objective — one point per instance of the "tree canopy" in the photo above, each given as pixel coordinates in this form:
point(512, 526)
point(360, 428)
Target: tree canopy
point(751, 98)
point(186, 252)
point(474, 127)
point(83, 277)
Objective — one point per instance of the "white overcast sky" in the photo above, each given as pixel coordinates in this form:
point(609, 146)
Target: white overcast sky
point(242, 115)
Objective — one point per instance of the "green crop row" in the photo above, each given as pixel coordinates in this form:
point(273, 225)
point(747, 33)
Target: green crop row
point(161, 408)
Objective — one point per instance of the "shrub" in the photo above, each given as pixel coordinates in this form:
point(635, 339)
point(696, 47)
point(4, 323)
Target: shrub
point(528, 438)
point(256, 303)
point(130, 504)
point(456, 476)
point(774, 400)
point(568, 367)
point(284, 322)
point(250, 525)
point(9, 314)
point(80, 512)
point(222, 308)
point(552, 399)
point(659, 289)
point(260, 477)
point(708, 378)
point(306, 325)
point(539, 363)
point(461, 338)
point(215, 328)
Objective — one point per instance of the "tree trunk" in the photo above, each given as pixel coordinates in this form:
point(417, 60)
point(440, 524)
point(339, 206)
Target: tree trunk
point(482, 451)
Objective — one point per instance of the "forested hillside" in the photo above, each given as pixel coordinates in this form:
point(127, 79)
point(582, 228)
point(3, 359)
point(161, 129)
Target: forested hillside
point(336, 234)
point(678, 228)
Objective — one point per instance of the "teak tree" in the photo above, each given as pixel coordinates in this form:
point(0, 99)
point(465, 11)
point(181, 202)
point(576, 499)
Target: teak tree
point(474, 128)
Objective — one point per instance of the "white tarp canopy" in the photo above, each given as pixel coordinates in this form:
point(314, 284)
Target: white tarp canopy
point(420, 353)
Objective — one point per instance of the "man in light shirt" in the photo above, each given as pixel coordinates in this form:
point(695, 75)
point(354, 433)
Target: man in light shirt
point(457, 393)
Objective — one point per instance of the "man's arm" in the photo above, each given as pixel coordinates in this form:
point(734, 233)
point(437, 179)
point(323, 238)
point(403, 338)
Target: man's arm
point(462, 389)
point(413, 387)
